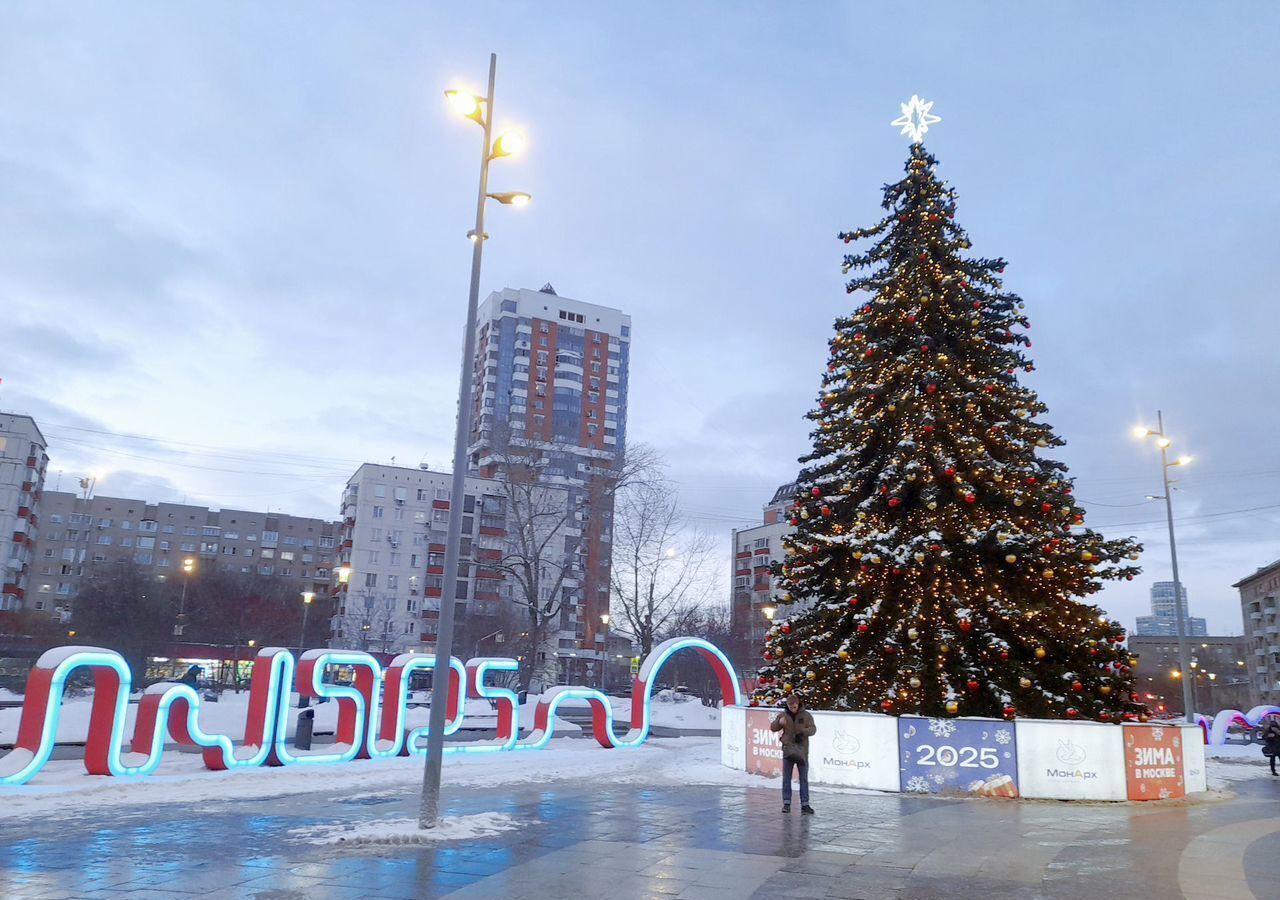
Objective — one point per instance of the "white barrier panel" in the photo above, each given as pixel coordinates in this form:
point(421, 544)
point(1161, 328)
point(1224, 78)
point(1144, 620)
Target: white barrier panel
point(733, 737)
point(1193, 764)
point(1070, 760)
point(854, 749)
point(1057, 760)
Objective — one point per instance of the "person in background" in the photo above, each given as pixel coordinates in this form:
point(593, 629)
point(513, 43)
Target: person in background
point(1271, 741)
point(797, 727)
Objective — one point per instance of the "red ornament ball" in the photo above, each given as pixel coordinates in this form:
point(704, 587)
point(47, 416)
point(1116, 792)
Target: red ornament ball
point(894, 501)
point(1009, 712)
point(1046, 506)
point(949, 472)
point(965, 625)
point(863, 627)
point(1004, 654)
point(886, 704)
point(786, 629)
point(969, 498)
point(826, 510)
point(817, 492)
point(1077, 686)
point(928, 429)
point(930, 388)
point(973, 685)
point(1072, 712)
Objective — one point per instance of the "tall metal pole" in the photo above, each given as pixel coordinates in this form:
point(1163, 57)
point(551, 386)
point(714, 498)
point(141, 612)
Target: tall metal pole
point(429, 815)
point(1188, 689)
point(302, 639)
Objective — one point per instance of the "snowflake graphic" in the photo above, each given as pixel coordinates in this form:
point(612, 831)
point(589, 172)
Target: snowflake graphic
point(1003, 736)
point(939, 778)
point(1165, 794)
point(1157, 733)
point(917, 785)
point(942, 727)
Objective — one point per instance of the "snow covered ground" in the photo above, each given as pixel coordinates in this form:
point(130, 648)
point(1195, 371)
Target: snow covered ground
point(63, 788)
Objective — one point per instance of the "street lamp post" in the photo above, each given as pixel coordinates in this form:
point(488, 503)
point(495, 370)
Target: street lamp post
point(188, 566)
point(1163, 442)
point(307, 597)
point(604, 660)
point(479, 110)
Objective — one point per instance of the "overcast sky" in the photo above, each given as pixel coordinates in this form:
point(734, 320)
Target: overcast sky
point(239, 228)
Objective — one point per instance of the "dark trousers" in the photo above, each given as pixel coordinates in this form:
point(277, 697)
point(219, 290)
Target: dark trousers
point(787, 766)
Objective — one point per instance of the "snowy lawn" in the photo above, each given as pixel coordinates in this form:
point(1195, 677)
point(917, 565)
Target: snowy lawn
point(63, 788)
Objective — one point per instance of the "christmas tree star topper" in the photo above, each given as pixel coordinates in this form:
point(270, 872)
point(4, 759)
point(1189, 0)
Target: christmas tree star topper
point(916, 119)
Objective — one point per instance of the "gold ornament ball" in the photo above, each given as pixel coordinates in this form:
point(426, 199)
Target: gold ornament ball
point(913, 633)
point(1135, 555)
point(933, 504)
point(811, 675)
point(1011, 558)
point(1041, 653)
point(919, 557)
point(1105, 689)
point(952, 707)
point(843, 654)
point(1017, 501)
point(1086, 556)
point(945, 648)
point(1047, 573)
point(1024, 682)
point(914, 682)
point(786, 687)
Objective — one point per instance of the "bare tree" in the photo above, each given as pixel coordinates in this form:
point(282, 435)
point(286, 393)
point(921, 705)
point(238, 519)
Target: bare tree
point(367, 622)
point(543, 509)
point(661, 565)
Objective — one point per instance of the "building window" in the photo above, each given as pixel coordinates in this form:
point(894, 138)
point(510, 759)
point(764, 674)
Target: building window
point(378, 511)
point(393, 582)
point(371, 579)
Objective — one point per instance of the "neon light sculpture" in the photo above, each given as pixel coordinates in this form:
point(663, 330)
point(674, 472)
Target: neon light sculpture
point(372, 711)
point(1215, 729)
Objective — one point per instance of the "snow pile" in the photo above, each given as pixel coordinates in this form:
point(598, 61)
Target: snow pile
point(406, 831)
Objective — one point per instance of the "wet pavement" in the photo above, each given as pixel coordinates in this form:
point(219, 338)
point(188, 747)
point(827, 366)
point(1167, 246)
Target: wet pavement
point(661, 842)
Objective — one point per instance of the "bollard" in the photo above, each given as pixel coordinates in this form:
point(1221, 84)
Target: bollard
point(306, 721)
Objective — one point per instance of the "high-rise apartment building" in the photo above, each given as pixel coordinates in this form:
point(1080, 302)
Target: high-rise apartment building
point(1163, 620)
point(755, 551)
point(391, 550)
point(81, 531)
point(551, 386)
point(23, 460)
point(1260, 608)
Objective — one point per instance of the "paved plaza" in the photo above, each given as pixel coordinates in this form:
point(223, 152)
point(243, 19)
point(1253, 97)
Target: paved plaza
point(632, 841)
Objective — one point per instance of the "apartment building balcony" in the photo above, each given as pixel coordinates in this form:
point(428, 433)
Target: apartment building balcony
point(1256, 616)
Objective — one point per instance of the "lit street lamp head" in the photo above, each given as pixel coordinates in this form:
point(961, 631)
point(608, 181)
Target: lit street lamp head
point(1141, 431)
point(769, 612)
point(512, 198)
point(308, 596)
point(509, 144)
point(466, 105)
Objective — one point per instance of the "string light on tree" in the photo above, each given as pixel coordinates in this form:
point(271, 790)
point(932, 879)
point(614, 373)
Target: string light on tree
point(942, 559)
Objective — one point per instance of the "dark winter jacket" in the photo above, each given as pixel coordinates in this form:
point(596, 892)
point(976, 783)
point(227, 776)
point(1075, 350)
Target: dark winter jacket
point(1271, 737)
point(796, 731)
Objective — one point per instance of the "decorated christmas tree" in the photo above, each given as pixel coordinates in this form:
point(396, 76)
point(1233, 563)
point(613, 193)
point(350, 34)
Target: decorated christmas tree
point(939, 556)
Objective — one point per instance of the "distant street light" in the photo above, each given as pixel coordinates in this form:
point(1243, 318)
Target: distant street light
point(307, 597)
point(769, 612)
point(479, 110)
point(188, 566)
point(1163, 442)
